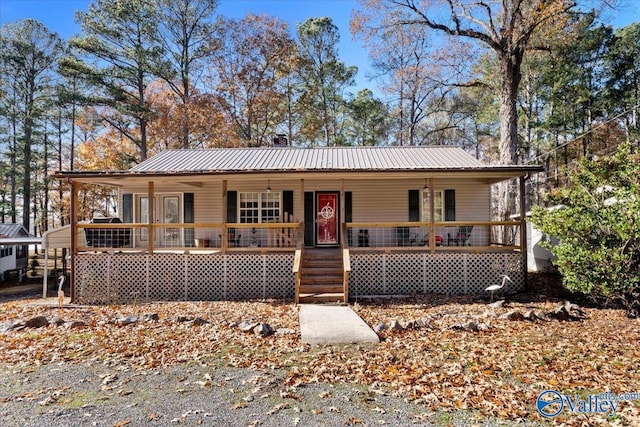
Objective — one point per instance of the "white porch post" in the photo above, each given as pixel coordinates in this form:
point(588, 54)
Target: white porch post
point(302, 215)
point(45, 275)
point(152, 214)
point(73, 219)
point(432, 212)
point(224, 233)
point(523, 229)
point(342, 225)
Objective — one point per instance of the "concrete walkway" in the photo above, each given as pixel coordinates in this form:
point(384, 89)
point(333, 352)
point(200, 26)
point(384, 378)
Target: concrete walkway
point(331, 324)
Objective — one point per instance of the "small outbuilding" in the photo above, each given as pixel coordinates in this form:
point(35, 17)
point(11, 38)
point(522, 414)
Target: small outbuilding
point(14, 250)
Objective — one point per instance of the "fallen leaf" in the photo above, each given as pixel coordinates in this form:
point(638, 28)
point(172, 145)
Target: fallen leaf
point(239, 405)
point(279, 407)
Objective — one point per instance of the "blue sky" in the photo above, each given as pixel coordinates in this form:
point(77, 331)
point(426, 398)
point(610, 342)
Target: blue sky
point(58, 16)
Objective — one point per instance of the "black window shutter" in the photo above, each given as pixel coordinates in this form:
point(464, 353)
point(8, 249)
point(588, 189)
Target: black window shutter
point(287, 204)
point(414, 205)
point(232, 206)
point(189, 215)
point(348, 214)
point(189, 218)
point(309, 219)
point(127, 208)
point(449, 205)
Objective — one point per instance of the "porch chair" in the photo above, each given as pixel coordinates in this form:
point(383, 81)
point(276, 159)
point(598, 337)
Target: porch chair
point(462, 236)
point(405, 237)
point(425, 240)
point(233, 239)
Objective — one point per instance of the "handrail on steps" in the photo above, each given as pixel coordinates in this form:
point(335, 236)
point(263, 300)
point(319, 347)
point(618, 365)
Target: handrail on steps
point(346, 268)
point(297, 261)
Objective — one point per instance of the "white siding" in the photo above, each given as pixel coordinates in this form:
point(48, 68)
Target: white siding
point(383, 200)
point(207, 198)
point(388, 200)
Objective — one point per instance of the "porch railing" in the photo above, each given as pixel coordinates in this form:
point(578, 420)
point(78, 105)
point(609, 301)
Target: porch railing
point(437, 236)
point(346, 269)
point(186, 237)
point(297, 272)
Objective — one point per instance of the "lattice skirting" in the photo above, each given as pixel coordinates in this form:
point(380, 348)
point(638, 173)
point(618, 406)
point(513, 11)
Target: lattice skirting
point(121, 278)
point(444, 273)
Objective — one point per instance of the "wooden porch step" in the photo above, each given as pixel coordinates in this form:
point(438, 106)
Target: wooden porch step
point(321, 276)
point(322, 252)
point(321, 281)
point(328, 258)
point(322, 263)
point(322, 298)
point(322, 268)
point(321, 289)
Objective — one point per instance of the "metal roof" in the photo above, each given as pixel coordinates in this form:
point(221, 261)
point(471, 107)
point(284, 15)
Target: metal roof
point(265, 159)
point(13, 230)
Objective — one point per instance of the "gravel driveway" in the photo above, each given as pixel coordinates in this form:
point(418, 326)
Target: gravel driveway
point(92, 394)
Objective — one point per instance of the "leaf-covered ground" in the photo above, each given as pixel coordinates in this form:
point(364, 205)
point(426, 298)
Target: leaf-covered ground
point(493, 373)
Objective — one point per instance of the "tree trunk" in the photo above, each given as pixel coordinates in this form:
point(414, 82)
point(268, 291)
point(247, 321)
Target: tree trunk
point(13, 161)
point(14, 154)
point(143, 140)
point(44, 223)
point(185, 125)
point(508, 190)
point(185, 108)
point(510, 74)
point(325, 118)
point(73, 133)
point(26, 158)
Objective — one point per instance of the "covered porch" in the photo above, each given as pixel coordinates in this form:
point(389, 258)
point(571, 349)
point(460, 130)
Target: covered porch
point(236, 234)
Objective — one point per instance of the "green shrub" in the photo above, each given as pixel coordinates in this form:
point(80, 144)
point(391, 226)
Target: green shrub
point(597, 221)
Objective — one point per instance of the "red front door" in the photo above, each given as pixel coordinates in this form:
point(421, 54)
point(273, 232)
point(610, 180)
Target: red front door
point(327, 219)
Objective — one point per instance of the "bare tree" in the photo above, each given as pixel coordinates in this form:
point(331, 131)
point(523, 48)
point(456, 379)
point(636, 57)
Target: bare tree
point(508, 29)
point(184, 33)
point(250, 63)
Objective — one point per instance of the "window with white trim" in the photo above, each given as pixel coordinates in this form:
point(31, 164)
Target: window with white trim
point(438, 206)
point(256, 208)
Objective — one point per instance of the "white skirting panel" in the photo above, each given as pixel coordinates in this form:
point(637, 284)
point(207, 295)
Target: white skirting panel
point(121, 278)
point(442, 273)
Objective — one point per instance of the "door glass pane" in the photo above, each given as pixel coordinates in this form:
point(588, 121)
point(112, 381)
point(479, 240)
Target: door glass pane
point(437, 206)
point(144, 217)
point(171, 215)
point(270, 207)
point(249, 208)
point(327, 218)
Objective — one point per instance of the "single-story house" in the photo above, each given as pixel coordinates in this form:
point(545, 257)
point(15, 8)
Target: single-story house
point(14, 250)
point(301, 223)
